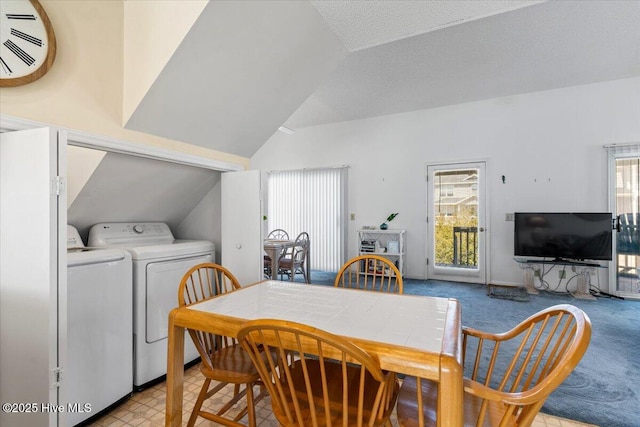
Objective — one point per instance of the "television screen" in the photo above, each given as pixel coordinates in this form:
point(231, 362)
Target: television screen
point(570, 236)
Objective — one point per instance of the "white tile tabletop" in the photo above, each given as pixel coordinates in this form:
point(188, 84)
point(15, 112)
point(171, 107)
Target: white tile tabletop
point(374, 316)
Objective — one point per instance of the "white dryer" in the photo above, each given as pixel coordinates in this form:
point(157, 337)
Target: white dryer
point(99, 364)
point(159, 262)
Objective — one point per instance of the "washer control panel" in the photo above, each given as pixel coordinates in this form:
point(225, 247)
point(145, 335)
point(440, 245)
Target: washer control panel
point(120, 233)
point(74, 241)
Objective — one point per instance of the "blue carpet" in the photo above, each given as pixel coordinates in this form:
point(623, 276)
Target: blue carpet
point(605, 387)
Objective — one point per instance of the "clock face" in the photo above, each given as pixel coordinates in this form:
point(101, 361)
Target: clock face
point(27, 43)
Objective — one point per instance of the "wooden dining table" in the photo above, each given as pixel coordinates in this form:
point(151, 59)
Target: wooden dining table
point(411, 335)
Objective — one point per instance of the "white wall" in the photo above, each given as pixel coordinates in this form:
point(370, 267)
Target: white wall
point(83, 90)
point(549, 146)
point(81, 163)
point(203, 222)
point(149, 42)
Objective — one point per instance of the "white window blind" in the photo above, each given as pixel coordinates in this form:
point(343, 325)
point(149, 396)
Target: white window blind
point(311, 200)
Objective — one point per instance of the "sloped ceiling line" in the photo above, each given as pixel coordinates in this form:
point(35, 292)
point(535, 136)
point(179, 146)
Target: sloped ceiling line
point(246, 68)
point(239, 74)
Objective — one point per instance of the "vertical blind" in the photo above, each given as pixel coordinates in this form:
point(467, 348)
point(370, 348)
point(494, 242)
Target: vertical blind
point(311, 200)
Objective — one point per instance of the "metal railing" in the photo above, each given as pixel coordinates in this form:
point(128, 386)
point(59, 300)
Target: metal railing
point(465, 246)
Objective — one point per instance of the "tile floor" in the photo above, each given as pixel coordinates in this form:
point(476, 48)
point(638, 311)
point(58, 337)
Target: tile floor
point(146, 409)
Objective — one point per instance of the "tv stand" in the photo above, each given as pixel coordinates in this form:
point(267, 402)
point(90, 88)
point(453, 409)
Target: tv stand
point(583, 270)
point(561, 261)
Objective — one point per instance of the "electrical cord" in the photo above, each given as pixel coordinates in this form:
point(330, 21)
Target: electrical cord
point(545, 284)
point(546, 287)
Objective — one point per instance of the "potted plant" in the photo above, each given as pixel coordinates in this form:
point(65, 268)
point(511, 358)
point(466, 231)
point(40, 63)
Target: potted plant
point(390, 218)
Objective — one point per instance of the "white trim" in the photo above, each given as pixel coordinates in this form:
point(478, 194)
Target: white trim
point(611, 189)
point(623, 145)
point(615, 152)
point(87, 140)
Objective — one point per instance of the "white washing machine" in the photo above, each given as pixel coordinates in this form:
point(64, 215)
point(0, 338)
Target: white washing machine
point(159, 262)
point(99, 364)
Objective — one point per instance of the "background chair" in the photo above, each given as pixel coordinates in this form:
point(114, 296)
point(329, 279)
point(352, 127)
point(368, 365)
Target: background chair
point(511, 374)
point(338, 385)
point(371, 273)
point(294, 260)
point(277, 234)
point(223, 359)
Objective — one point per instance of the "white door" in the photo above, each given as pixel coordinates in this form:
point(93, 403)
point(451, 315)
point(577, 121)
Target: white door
point(241, 218)
point(32, 274)
point(456, 232)
point(624, 190)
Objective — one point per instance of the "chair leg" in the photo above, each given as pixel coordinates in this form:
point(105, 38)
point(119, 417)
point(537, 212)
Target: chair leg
point(201, 396)
point(251, 406)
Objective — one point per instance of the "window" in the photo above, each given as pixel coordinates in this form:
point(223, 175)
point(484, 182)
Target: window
point(447, 191)
point(311, 200)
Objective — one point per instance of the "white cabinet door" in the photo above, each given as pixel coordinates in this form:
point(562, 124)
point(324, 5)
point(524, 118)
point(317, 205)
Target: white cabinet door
point(32, 267)
point(241, 234)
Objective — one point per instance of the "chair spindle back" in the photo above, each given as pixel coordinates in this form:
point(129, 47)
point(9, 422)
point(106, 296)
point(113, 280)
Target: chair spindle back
point(200, 283)
point(371, 273)
point(322, 384)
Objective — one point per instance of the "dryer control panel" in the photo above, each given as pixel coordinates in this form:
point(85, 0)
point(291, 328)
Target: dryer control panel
point(129, 233)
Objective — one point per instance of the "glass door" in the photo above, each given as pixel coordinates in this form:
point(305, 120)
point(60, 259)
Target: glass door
point(625, 277)
point(456, 222)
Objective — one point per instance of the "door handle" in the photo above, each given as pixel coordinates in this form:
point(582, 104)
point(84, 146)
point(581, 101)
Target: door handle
point(481, 229)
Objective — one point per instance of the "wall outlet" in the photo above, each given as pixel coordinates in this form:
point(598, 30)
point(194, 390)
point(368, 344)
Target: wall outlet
point(562, 274)
point(508, 217)
point(353, 217)
point(536, 273)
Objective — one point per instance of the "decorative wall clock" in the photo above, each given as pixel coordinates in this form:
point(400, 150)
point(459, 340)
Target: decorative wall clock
point(27, 42)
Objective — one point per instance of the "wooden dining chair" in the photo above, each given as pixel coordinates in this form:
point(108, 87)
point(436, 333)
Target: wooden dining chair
point(328, 382)
point(510, 374)
point(223, 359)
point(277, 234)
point(371, 273)
point(294, 260)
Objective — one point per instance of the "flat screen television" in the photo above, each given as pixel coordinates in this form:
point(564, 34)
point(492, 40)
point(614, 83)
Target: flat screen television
point(563, 235)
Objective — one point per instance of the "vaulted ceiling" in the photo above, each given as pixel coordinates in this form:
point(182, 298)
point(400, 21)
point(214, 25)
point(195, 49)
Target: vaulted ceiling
point(248, 67)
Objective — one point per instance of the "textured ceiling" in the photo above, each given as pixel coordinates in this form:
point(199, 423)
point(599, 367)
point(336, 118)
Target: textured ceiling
point(246, 68)
point(363, 24)
point(540, 47)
